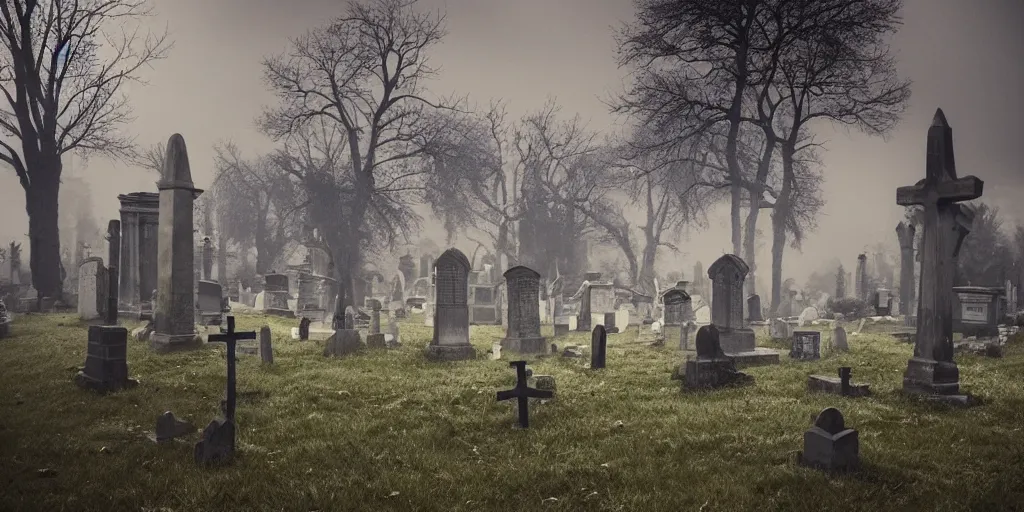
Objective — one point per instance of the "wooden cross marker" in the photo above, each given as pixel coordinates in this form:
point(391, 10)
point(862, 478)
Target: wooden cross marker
point(523, 393)
point(230, 337)
point(945, 224)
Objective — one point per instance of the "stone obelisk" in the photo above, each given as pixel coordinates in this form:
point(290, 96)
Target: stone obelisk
point(174, 311)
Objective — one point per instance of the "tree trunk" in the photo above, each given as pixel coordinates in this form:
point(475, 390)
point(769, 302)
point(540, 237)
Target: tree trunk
point(749, 239)
point(41, 199)
point(779, 217)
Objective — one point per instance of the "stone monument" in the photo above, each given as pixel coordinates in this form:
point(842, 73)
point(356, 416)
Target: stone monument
point(451, 308)
point(523, 329)
point(727, 275)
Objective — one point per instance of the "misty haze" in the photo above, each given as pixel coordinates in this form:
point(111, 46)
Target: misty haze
point(502, 255)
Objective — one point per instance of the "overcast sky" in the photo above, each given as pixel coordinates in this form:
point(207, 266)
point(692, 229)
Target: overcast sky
point(964, 56)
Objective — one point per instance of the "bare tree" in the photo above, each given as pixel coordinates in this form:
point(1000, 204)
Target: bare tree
point(152, 158)
point(62, 73)
point(839, 69)
point(356, 87)
point(257, 206)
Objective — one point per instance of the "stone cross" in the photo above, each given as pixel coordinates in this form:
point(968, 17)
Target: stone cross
point(932, 369)
point(113, 269)
point(522, 392)
point(174, 311)
point(230, 338)
point(905, 234)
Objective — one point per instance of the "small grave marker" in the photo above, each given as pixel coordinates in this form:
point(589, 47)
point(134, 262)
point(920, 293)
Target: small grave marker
point(806, 345)
point(598, 347)
point(522, 392)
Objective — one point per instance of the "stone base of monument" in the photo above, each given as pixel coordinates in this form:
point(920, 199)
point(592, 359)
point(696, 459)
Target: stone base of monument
point(217, 445)
point(450, 352)
point(376, 341)
point(834, 385)
point(526, 345)
point(314, 334)
point(343, 342)
point(106, 368)
point(713, 373)
point(162, 343)
point(936, 381)
point(760, 356)
point(736, 340)
point(284, 313)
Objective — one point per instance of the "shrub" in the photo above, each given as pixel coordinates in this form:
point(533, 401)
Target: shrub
point(849, 307)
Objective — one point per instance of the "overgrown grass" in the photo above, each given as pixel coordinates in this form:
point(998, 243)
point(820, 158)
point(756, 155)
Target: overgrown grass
point(388, 430)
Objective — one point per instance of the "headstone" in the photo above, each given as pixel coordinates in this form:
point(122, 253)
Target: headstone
point(210, 305)
point(375, 307)
point(905, 233)
point(169, 427)
point(779, 329)
point(932, 369)
point(806, 345)
point(712, 368)
point(676, 303)
point(275, 295)
point(174, 311)
point(207, 259)
point(882, 302)
point(727, 275)
point(754, 308)
point(523, 329)
point(837, 386)
point(522, 392)
point(396, 338)
point(808, 315)
point(266, 349)
point(839, 339)
point(561, 327)
point(218, 443)
point(598, 347)
point(304, 329)
point(977, 311)
point(106, 365)
point(829, 445)
point(451, 309)
point(92, 288)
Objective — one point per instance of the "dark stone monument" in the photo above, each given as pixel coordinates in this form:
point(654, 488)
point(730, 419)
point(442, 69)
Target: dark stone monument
point(106, 365)
point(712, 368)
point(523, 328)
point(522, 392)
point(806, 345)
point(304, 329)
point(169, 427)
point(113, 271)
point(218, 443)
point(676, 301)
point(754, 308)
point(861, 285)
point(375, 307)
point(451, 308)
point(841, 386)
point(829, 445)
point(727, 275)
point(346, 340)
point(266, 348)
point(932, 369)
point(598, 347)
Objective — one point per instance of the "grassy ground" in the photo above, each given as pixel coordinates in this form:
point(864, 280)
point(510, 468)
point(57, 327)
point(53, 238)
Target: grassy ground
point(391, 431)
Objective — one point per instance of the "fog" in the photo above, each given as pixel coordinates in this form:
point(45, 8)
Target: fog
point(963, 56)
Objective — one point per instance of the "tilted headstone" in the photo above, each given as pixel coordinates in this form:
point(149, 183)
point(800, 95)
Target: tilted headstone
point(523, 329)
point(522, 393)
point(169, 427)
point(712, 368)
point(932, 369)
point(218, 443)
point(451, 308)
point(92, 289)
point(304, 329)
point(266, 348)
point(174, 312)
point(598, 347)
point(829, 445)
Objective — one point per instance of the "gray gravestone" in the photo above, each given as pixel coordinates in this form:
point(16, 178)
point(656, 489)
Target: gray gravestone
point(727, 274)
point(451, 308)
point(375, 307)
point(676, 302)
point(829, 445)
point(806, 345)
point(92, 289)
point(523, 330)
point(598, 347)
point(174, 312)
point(106, 364)
point(839, 338)
point(754, 308)
point(266, 349)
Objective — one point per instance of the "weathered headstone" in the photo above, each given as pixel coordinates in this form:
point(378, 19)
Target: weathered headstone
point(218, 443)
point(451, 309)
point(92, 289)
point(905, 233)
point(882, 302)
point(598, 347)
point(522, 392)
point(754, 308)
point(266, 348)
point(727, 275)
point(523, 329)
point(169, 427)
point(808, 315)
point(210, 305)
point(676, 302)
point(275, 295)
point(932, 369)
point(712, 368)
point(106, 364)
point(375, 307)
point(174, 312)
point(829, 445)
point(304, 329)
point(839, 341)
point(806, 345)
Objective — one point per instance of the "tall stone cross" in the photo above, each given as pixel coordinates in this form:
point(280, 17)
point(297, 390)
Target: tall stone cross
point(523, 393)
point(932, 370)
point(230, 337)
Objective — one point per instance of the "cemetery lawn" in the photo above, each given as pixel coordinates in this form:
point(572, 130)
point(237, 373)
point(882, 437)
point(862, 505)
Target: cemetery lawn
point(388, 430)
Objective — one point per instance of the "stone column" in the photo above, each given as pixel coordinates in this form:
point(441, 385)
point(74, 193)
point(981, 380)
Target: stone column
point(113, 271)
point(175, 305)
point(862, 277)
point(905, 233)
